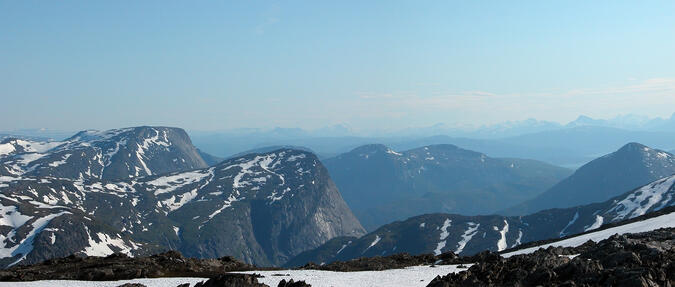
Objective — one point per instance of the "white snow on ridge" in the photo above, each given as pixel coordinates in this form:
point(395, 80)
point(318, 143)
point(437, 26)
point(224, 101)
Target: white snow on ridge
point(60, 162)
point(102, 247)
point(467, 236)
point(501, 244)
point(170, 183)
point(443, 237)
point(663, 221)
point(641, 200)
point(343, 247)
point(35, 146)
point(26, 245)
point(296, 157)
point(377, 239)
point(226, 204)
point(598, 222)
point(9, 216)
point(574, 219)
point(6, 148)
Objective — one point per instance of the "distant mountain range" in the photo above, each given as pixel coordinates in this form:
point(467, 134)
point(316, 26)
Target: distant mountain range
point(569, 146)
point(466, 235)
point(144, 190)
point(631, 166)
point(382, 185)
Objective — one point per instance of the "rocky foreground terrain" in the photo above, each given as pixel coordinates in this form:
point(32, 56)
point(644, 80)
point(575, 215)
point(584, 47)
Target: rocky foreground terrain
point(643, 259)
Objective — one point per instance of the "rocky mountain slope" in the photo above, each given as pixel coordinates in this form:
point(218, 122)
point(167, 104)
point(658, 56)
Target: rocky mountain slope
point(112, 154)
point(466, 235)
point(260, 208)
point(631, 166)
point(381, 185)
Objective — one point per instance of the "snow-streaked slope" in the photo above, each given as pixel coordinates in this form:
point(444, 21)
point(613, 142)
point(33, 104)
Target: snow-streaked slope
point(663, 221)
point(220, 210)
point(472, 234)
point(631, 166)
point(111, 154)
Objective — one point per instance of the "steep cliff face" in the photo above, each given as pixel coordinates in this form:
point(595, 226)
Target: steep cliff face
point(261, 208)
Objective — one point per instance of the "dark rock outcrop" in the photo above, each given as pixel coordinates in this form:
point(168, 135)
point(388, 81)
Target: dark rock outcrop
point(292, 283)
point(645, 259)
point(378, 263)
point(121, 267)
point(232, 280)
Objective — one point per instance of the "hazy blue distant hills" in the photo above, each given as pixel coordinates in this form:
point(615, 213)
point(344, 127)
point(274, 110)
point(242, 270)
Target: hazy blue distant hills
point(631, 166)
point(209, 158)
point(630, 122)
point(38, 134)
point(381, 185)
point(569, 145)
point(593, 140)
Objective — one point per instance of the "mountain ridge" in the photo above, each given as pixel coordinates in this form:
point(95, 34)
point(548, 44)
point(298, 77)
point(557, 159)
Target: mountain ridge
point(466, 235)
point(631, 166)
point(262, 208)
point(382, 185)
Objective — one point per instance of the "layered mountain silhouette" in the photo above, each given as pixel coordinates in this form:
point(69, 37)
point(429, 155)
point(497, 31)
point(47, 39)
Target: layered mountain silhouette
point(382, 185)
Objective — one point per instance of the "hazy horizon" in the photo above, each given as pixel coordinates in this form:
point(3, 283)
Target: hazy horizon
point(216, 66)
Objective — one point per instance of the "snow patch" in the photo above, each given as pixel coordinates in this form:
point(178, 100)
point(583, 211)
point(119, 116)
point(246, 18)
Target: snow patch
point(467, 236)
point(663, 221)
point(443, 236)
point(641, 200)
point(596, 224)
point(501, 244)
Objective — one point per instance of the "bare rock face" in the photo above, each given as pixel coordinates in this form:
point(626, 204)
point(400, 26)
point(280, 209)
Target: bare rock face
point(260, 208)
point(646, 259)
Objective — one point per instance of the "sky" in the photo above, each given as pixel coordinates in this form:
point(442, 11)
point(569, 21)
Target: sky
point(216, 65)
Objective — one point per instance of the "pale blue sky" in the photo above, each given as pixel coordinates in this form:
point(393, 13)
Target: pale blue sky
point(208, 65)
